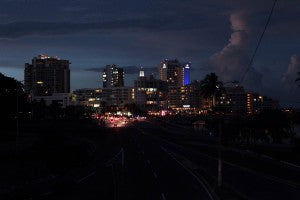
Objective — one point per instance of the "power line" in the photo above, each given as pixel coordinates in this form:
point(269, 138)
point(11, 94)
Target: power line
point(259, 41)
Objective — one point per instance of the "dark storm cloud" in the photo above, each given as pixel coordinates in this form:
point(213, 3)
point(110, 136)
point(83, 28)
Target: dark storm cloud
point(233, 60)
point(131, 70)
point(291, 73)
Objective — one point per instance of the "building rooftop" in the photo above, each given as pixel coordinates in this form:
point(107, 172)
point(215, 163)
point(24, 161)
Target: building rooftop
point(45, 56)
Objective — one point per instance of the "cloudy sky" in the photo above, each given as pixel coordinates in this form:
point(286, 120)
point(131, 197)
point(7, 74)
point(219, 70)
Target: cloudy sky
point(215, 35)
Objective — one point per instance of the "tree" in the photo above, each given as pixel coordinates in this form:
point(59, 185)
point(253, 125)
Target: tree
point(39, 109)
point(211, 87)
point(13, 98)
point(56, 110)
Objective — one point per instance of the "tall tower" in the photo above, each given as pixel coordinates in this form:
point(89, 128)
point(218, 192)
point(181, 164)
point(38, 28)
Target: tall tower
point(47, 75)
point(142, 72)
point(186, 74)
point(174, 73)
point(113, 76)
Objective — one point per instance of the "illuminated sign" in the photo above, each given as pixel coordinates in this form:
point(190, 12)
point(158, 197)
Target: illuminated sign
point(186, 106)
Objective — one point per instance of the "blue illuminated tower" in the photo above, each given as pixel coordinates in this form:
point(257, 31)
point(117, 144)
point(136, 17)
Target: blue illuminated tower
point(186, 72)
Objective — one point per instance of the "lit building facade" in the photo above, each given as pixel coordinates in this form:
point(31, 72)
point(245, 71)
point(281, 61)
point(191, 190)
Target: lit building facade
point(186, 97)
point(150, 92)
point(257, 103)
point(119, 96)
point(236, 100)
point(113, 76)
point(233, 100)
point(88, 97)
point(177, 97)
point(47, 75)
point(61, 99)
point(174, 73)
point(99, 97)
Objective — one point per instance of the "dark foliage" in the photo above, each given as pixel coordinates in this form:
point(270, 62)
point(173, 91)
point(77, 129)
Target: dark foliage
point(13, 98)
point(276, 124)
point(268, 126)
point(211, 87)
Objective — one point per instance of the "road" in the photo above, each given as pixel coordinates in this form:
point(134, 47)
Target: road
point(144, 170)
point(249, 183)
point(151, 167)
point(151, 173)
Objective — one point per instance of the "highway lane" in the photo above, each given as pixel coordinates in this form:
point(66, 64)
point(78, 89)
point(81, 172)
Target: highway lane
point(143, 171)
point(136, 178)
point(154, 168)
point(171, 179)
point(252, 184)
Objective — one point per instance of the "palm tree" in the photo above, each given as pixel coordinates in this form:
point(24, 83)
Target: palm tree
point(211, 87)
point(298, 79)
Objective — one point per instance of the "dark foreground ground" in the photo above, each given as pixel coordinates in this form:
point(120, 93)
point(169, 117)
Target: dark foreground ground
point(144, 161)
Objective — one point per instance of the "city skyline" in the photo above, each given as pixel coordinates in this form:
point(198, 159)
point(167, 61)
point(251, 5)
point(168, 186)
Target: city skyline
point(183, 76)
point(150, 99)
point(221, 39)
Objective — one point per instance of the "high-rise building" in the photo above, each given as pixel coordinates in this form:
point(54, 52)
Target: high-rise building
point(142, 72)
point(174, 73)
point(113, 76)
point(186, 74)
point(188, 96)
point(47, 75)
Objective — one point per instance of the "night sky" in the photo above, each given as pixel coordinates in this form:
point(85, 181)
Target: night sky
point(214, 35)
